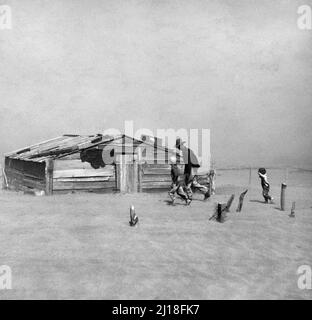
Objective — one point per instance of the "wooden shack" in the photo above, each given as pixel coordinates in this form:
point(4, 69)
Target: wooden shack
point(97, 163)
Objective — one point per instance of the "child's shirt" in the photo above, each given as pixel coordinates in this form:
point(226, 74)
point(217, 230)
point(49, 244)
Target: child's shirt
point(264, 180)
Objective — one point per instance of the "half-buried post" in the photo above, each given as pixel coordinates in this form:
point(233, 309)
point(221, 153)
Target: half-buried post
point(292, 212)
point(133, 217)
point(283, 191)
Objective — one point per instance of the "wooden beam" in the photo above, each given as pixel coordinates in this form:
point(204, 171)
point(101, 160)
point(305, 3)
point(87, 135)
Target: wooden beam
point(140, 177)
point(49, 176)
point(33, 146)
point(80, 173)
point(80, 185)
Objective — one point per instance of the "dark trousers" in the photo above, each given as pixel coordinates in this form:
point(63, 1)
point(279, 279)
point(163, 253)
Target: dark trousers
point(265, 193)
point(177, 188)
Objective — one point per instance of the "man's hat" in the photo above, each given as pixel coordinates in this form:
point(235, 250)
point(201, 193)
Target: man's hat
point(179, 143)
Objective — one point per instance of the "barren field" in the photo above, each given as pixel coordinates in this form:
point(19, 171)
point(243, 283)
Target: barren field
point(80, 246)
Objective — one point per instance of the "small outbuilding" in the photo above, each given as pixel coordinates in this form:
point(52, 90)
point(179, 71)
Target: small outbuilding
point(96, 163)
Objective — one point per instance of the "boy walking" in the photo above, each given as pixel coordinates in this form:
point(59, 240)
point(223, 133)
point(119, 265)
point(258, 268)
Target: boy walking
point(177, 182)
point(265, 185)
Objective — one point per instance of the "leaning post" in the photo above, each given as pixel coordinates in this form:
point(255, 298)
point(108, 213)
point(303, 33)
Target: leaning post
point(241, 201)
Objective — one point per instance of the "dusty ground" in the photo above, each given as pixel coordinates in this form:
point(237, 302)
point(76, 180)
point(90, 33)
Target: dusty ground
point(80, 246)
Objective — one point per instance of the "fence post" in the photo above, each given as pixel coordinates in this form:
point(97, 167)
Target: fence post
point(283, 190)
point(219, 212)
point(241, 200)
point(292, 212)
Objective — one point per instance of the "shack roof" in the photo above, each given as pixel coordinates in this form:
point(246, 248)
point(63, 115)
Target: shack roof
point(59, 147)
point(68, 144)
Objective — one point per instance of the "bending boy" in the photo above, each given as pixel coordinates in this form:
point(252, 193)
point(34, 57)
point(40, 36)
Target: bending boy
point(177, 183)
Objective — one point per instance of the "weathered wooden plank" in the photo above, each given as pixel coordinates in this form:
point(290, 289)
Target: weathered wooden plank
point(156, 179)
point(72, 156)
point(155, 165)
point(155, 184)
point(154, 175)
point(34, 184)
point(135, 177)
point(15, 176)
point(154, 161)
point(26, 170)
point(16, 173)
point(20, 175)
point(127, 173)
point(49, 176)
point(21, 184)
point(45, 147)
point(36, 145)
point(156, 171)
point(150, 187)
point(140, 177)
point(85, 179)
point(83, 185)
point(102, 172)
point(70, 164)
point(100, 191)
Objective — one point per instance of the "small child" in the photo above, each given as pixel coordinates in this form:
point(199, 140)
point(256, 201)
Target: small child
point(177, 183)
point(265, 185)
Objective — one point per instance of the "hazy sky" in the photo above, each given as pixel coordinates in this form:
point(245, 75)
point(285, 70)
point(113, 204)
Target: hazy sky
point(240, 68)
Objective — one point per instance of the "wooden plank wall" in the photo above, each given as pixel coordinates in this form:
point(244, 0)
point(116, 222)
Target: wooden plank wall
point(74, 175)
point(127, 173)
point(157, 176)
point(24, 175)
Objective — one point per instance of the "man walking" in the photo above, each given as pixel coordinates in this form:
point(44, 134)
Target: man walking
point(191, 166)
